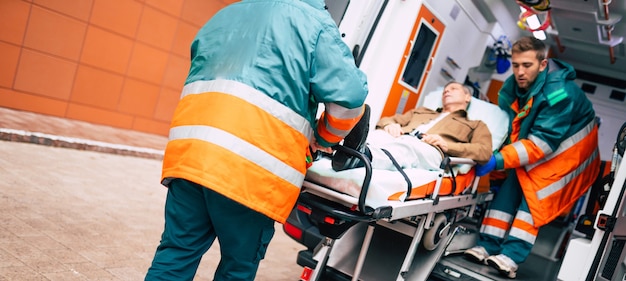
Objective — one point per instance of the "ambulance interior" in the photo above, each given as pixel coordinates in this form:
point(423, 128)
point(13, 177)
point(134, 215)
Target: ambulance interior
point(409, 50)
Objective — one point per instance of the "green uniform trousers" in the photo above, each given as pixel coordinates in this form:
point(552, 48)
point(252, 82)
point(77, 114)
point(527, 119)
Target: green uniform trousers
point(194, 217)
point(509, 199)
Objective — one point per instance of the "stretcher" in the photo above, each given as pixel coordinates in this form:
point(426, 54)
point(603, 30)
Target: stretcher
point(423, 210)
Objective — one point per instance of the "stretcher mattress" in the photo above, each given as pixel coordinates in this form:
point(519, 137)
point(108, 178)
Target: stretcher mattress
point(386, 185)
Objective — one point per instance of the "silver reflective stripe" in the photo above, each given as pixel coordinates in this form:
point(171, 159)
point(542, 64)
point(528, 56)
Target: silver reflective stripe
point(252, 96)
point(545, 148)
point(493, 231)
point(522, 235)
point(525, 217)
point(341, 112)
point(500, 215)
point(241, 148)
point(521, 152)
point(565, 144)
point(558, 185)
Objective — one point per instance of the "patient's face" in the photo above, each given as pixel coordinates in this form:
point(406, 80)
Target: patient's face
point(455, 94)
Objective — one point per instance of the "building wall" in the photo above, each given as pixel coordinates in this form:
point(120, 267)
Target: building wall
point(120, 63)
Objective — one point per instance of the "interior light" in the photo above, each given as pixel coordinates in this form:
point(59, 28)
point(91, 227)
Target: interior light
point(533, 22)
point(539, 34)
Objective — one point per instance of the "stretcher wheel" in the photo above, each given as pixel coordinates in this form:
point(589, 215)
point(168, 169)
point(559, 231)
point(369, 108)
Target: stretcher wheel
point(431, 237)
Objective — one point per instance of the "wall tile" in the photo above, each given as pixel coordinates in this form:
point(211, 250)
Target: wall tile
point(45, 75)
point(120, 16)
point(185, 33)
point(198, 12)
point(54, 33)
point(99, 116)
point(9, 56)
point(77, 9)
point(172, 7)
point(32, 103)
point(147, 64)
point(151, 126)
point(107, 50)
point(166, 105)
point(13, 19)
point(97, 88)
point(157, 28)
point(176, 72)
point(138, 98)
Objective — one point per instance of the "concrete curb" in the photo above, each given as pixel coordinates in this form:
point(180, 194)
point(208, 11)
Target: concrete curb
point(77, 143)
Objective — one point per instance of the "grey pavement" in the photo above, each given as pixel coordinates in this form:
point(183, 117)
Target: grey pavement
point(76, 214)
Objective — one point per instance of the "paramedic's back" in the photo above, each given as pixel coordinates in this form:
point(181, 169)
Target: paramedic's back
point(241, 135)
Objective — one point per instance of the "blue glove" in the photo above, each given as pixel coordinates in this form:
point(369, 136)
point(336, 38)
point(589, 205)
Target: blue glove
point(482, 170)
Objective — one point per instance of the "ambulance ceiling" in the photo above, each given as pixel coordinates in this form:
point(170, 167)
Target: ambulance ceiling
point(578, 33)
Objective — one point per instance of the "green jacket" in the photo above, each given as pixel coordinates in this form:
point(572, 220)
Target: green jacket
point(560, 108)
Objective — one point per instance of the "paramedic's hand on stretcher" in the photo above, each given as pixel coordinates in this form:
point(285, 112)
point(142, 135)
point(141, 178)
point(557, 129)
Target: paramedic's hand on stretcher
point(482, 170)
point(316, 146)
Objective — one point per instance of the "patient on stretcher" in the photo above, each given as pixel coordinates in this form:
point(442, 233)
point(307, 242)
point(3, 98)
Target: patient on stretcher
point(420, 171)
point(420, 138)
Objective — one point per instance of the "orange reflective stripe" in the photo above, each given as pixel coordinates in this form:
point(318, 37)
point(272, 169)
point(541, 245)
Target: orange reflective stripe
point(223, 164)
point(525, 226)
point(497, 223)
point(325, 133)
point(253, 124)
point(342, 124)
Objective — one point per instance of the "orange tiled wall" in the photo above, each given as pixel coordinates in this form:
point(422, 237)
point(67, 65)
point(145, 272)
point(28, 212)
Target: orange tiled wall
point(120, 63)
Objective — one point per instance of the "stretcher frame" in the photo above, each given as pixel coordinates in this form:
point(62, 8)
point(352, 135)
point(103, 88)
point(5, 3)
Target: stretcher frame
point(420, 213)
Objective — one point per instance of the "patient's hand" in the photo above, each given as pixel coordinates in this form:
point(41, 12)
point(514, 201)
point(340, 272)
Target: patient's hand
point(436, 140)
point(394, 129)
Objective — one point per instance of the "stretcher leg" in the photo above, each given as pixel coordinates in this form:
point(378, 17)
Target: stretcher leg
point(321, 255)
point(408, 259)
point(361, 260)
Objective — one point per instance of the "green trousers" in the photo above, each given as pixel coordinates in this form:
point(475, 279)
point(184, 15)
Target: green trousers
point(510, 200)
point(194, 217)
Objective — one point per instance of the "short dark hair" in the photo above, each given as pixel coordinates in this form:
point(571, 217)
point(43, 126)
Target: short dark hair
point(529, 43)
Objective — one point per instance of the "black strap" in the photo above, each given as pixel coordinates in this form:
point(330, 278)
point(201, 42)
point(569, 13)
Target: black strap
point(399, 168)
point(449, 167)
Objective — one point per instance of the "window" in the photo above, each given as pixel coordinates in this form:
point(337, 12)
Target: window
point(420, 54)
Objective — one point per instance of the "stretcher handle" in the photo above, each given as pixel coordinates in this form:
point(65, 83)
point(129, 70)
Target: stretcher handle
point(368, 172)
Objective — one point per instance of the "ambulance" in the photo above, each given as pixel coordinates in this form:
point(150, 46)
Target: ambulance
point(411, 48)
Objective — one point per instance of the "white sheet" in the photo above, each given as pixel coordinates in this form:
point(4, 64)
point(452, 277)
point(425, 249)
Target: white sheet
point(383, 182)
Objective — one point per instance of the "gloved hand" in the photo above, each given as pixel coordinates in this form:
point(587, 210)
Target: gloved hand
point(482, 170)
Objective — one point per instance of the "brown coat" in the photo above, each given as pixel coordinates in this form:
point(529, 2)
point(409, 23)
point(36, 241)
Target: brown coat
point(466, 138)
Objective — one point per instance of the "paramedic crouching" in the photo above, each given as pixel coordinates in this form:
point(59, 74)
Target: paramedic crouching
point(551, 156)
point(420, 137)
point(239, 142)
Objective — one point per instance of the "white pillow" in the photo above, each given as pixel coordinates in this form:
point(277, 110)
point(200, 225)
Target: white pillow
point(495, 118)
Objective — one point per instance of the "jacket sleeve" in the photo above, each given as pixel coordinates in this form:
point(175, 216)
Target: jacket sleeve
point(339, 84)
point(548, 130)
point(479, 147)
